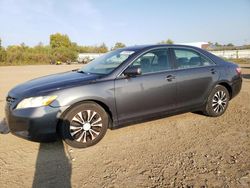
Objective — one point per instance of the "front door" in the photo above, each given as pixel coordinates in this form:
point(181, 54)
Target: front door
point(152, 92)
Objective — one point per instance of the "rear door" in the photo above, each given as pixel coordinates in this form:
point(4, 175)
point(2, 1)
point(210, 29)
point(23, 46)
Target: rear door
point(152, 92)
point(195, 76)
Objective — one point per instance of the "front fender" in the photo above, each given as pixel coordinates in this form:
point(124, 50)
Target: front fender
point(102, 92)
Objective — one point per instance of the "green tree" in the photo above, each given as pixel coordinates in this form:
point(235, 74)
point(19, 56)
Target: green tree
point(230, 45)
point(169, 41)
point(22, 54)
point(102, 48)
point(59, 40)
point(62, 48)
point(74, 46)
point(14, 54)
point(92, 49)
point(217, 44)
point(118, 45)
point(2, 53)
point(63, 54)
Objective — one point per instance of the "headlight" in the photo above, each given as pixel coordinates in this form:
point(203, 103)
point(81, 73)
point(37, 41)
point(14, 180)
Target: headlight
point(36, 101)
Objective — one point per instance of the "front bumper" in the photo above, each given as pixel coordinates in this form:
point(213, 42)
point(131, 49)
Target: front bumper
point(36, 124)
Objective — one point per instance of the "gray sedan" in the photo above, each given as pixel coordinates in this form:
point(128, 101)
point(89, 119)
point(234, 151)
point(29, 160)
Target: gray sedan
point(121, 87)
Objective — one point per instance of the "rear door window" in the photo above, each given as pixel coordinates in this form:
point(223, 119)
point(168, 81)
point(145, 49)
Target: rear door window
point(186, 58)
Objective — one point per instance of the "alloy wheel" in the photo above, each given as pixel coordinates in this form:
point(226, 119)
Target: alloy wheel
point(85, 126)
point(219, 101)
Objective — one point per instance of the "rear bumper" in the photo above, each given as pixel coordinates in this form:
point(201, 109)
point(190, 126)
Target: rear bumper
point(236, 87)
point(36, 124)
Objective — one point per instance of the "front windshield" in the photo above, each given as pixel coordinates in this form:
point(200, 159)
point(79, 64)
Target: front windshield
point(107, 62)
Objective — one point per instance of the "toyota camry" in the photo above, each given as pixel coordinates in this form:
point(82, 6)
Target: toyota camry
point(121, 87)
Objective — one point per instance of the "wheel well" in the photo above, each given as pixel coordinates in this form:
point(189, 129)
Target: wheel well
point(228, 87)
point(104, 106)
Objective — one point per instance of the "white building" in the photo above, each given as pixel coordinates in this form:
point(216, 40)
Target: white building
point(203, 45)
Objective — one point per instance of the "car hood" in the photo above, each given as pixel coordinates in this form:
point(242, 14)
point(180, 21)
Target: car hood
point(52, 83)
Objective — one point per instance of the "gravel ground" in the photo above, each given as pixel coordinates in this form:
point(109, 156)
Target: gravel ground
point(187, 150)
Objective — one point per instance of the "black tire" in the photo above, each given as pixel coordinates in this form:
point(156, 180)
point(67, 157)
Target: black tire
point(76, 128)
point(217, 101)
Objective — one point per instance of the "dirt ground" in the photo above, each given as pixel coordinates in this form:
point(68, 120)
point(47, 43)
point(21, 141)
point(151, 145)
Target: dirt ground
point(187, 150)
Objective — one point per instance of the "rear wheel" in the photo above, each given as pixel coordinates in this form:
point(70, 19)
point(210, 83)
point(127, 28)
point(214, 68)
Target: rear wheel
point(217, 101)
point(84, 125)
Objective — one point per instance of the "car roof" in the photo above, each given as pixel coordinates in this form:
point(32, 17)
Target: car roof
point(143, 47)
point(139, 48)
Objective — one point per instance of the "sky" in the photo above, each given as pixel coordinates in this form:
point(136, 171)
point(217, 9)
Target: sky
point(92, 22)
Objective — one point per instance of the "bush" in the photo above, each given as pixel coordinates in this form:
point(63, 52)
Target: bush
point(23, 55)
point(63, 54)
point(60, 49)
point(2, 54)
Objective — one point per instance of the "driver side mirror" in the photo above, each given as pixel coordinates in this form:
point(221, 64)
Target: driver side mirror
point(132, 71)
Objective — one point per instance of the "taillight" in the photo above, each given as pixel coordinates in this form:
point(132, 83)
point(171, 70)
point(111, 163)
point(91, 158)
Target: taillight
point(238, 70)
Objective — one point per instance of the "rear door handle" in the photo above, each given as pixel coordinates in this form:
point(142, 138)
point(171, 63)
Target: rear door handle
point(170, 78)
point(213, 71)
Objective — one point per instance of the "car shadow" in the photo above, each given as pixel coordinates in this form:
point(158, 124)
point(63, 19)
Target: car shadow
point(4, 129)
point(199, 113)
point(246, 76)
point(53, 168)
point(153, 118)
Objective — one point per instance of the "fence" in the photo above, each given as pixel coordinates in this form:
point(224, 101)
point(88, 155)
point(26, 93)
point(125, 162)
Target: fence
point(232, 53)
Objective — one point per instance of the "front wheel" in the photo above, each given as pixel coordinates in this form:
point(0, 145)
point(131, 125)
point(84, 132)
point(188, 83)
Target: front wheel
point(217, 102)
point(84, 125)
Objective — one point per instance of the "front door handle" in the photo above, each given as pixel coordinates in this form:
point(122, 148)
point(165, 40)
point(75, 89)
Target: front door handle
point(170, 78)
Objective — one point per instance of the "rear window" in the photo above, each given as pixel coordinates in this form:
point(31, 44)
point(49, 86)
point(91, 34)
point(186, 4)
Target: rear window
point(187, 58)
